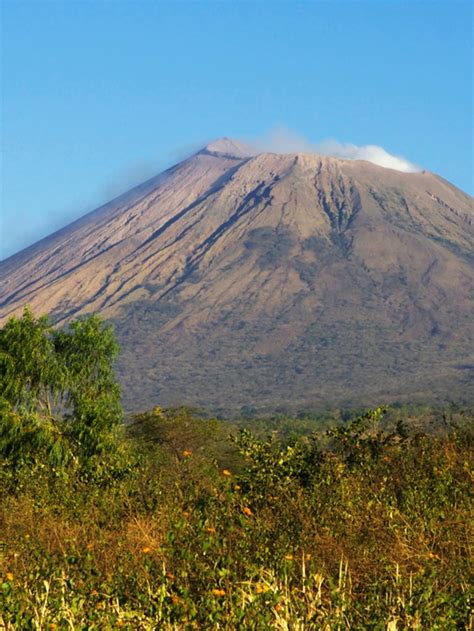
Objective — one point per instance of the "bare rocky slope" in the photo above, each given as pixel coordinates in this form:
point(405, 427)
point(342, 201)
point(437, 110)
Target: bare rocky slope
point(279, 281)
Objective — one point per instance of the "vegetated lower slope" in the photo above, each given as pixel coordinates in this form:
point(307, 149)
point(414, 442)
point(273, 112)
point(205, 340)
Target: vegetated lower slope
point(169, 523)
point(270, 280)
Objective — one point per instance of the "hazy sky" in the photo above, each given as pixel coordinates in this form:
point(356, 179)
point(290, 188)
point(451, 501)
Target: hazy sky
point(99, 95)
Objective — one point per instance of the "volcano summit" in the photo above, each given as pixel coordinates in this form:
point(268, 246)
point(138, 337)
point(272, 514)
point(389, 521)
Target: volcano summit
point(270, 280)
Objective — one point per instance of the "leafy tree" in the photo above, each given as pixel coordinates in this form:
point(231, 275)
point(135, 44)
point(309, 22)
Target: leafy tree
point(58, 392)
point(363, 440)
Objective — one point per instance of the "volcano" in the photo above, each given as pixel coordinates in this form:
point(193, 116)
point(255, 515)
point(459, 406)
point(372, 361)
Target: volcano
point(238, 279)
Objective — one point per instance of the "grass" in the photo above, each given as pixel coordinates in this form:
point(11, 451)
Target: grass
point(357, 528)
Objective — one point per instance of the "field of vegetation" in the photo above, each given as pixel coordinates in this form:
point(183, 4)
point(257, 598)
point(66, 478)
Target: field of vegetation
point(174, 520)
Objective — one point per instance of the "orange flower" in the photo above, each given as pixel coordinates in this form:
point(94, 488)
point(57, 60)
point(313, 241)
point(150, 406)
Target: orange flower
point(52, 626)
point(288, 557)
point(218, 592)
point(236, 487)
point(9, 576)
point(89, 546)
point(260, 589)
point(94, 592)
point(278, 607)
point(186, 513)
point(211, 529)
point(120, 623)
point(169, 576)
point(175, 599)
point(187, 453)
point(226, 472)
point(246, 511)
point(146, 550)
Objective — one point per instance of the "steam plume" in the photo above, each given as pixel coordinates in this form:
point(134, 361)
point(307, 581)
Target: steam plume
point(282, 140)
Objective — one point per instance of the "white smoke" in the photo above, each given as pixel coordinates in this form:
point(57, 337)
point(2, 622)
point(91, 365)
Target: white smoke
point(282, 140)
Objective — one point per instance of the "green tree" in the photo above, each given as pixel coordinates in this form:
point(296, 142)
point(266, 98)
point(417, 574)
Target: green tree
point(58, 391)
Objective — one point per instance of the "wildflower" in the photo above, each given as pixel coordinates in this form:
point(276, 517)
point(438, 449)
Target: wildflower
point(186, 513)
point(9, 576)
point(236, 487)
point(288, 557)
point(94, 592)
point(260, 589)
point(146, 550)
point(89, 546)
point(187, 453)
point(120, 623)
point(307, 557)
point(246, 511)
point(211, 529)
point(52, 626)
point(169, 576)
point(226, 472)
point(277, 607)
point(175, 599)
point(218, 592)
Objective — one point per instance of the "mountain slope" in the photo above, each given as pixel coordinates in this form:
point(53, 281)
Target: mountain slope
point(283, 280)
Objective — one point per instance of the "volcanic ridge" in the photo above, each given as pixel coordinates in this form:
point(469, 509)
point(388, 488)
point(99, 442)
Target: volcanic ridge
point(239, 279)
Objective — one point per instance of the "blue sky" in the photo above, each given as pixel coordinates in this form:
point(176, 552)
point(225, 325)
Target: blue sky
point(99, 95)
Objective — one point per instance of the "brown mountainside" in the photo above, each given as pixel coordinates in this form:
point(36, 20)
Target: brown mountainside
point(272, 280)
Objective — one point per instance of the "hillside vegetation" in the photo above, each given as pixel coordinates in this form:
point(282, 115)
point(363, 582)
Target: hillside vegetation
point(175, 520)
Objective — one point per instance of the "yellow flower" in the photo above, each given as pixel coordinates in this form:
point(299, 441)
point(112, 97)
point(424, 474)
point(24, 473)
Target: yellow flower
point(246, 511)
point(211, 529)
point(288, 557)
point(236, 487)
point(226, 472)
point(260, 589)
point(146, 550)
point(9, 576)
point(187, 453)
point(218, 592)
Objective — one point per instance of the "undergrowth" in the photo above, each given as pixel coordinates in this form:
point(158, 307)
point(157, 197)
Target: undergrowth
point(354, 528)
